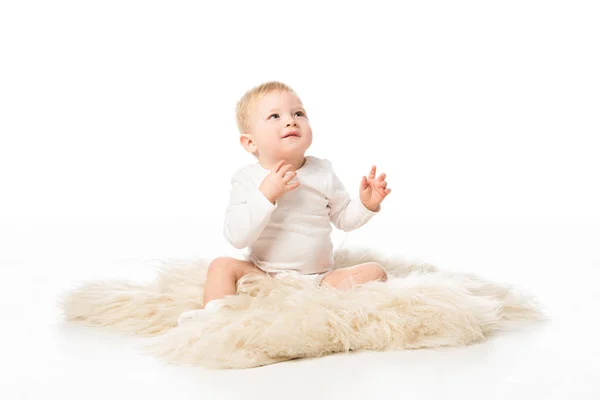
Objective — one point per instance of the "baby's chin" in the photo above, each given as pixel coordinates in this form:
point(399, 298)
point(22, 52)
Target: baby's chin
point(294, 142)
point(292, 151)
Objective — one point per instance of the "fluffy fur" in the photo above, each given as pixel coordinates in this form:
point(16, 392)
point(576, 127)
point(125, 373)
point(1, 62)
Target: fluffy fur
point(272, 320)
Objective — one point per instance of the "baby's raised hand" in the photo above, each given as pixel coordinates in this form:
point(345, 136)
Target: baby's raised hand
point(373, 190)
point(276, 183)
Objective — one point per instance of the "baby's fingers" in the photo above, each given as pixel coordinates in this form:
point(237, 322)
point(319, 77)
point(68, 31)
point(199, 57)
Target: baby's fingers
point(373, 172)
point(277, 166)
point(290, 176)
point(291, 186)
point(285, 169)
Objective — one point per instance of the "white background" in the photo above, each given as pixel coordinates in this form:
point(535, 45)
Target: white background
point(118, 137)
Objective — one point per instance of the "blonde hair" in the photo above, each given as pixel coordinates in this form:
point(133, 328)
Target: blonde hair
point(248, 100)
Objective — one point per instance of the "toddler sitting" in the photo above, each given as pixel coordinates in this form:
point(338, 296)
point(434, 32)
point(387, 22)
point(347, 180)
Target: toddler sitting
point(282, 207)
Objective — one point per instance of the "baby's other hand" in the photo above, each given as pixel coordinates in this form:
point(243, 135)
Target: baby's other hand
point(373, 190)
point(276, 183)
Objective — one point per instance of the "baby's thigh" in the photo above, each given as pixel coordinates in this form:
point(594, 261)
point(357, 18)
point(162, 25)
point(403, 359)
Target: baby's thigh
point(345, 278)
point(237, 267)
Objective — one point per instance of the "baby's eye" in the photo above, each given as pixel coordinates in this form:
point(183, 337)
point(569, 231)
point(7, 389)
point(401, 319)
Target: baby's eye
point(300, 112)
point(273, 115)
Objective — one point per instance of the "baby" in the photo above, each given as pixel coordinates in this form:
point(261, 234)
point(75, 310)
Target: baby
point(281, 208)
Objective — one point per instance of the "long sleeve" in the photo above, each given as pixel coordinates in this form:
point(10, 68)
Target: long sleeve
point(346, 213)
point(247, 214)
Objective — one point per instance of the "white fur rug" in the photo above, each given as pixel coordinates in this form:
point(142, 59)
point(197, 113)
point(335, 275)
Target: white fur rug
point(272, 320)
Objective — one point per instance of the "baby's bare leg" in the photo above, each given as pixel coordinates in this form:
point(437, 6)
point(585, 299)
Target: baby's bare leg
point(350, 277)
point(223, 274)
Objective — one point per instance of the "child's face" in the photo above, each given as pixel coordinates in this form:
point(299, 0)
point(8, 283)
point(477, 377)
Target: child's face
point(273, 118)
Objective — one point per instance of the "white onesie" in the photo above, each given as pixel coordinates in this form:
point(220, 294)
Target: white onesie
point(293, 234)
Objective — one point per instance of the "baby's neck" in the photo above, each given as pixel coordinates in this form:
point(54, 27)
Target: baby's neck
point(297, 162)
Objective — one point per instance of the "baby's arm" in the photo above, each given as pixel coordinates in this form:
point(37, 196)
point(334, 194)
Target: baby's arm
point(247, 214)
point(346, 213)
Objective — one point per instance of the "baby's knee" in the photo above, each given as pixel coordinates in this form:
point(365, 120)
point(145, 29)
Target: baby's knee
point(221, 265)
point(231, 267)
point(376, 271)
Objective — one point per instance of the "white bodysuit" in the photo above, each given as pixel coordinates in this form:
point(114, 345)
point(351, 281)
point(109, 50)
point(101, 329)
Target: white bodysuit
point(293, 234)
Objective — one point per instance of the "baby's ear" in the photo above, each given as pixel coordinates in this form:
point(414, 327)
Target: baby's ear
point(248, 143)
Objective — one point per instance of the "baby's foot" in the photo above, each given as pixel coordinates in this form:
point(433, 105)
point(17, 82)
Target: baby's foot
point(209, 308)
point(190, 315)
